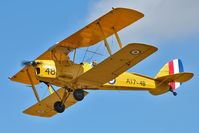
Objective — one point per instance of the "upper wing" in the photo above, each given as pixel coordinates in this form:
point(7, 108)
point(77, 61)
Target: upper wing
point(45, 108)
point(117, 18)
point(116, 64)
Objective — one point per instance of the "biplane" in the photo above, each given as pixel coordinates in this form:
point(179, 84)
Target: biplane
point(55, 68)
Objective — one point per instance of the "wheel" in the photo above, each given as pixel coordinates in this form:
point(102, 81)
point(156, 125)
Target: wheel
point(59, 107)
point(175, 93)
point(78, 94)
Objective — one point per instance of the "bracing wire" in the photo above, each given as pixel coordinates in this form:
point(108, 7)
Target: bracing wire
point(89, 60)
point(82, 59)
point(85, 54)
point(45, 92)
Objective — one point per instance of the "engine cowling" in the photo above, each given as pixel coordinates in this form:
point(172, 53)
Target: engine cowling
point(45, 70)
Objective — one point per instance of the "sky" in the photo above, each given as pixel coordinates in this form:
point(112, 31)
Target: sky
point(28, 28)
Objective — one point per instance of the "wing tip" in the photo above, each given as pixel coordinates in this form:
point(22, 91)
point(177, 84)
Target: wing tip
point(147, 45)
point(129, 9)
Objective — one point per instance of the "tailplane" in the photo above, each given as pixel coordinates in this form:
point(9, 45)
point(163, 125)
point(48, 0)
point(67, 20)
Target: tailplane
point(172, 75)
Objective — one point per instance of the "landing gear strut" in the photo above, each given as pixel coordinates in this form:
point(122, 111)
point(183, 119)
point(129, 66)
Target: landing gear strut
point(78, 94)
point(59, 106)
point(171, 90)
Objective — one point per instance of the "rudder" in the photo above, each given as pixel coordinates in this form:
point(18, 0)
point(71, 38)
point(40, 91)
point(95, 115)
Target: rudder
point(172, 67)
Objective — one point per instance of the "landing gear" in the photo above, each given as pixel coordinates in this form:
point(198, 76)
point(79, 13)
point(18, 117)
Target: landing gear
point(171, 90)
point(78, 94)
point(59, 107)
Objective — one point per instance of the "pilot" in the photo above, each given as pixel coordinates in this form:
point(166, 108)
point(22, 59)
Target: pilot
point(94, 63)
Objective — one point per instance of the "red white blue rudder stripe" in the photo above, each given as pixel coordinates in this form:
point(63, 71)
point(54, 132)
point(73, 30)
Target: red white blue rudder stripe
point(175, 66)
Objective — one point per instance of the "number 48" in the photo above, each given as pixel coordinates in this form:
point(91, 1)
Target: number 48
point(50, 71)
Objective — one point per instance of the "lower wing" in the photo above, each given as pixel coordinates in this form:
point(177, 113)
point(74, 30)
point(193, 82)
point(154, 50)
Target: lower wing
point(45, 108)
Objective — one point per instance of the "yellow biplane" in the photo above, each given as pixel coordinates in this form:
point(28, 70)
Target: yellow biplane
point(54, 67)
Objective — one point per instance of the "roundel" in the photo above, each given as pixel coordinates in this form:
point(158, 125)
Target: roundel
point(135, 52)
point(112, 81)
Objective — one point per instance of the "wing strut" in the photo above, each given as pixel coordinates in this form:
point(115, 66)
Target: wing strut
point(105, 41)
point(117, 37)
point(32, 85)
point(104, 38)
point(74, 56)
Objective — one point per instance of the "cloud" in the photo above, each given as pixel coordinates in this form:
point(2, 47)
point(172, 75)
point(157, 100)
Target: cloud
point(164, 19)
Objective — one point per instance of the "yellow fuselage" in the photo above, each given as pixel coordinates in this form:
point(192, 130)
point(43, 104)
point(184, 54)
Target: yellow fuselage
point(62, 73)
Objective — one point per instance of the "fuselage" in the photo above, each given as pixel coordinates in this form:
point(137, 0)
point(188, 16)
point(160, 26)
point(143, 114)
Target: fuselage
point(63, 73)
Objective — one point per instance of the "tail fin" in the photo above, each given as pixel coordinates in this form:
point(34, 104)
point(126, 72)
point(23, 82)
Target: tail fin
point(170, 77)
point(172, 67)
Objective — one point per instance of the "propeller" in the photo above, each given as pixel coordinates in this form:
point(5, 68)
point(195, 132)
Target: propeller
point(30, 63)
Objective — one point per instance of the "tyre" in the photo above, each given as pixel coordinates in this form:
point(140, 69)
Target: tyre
point(78, 94)
point(59, 107)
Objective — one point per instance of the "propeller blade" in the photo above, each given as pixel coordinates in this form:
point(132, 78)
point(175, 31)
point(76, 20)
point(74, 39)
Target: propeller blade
point(30, 63)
